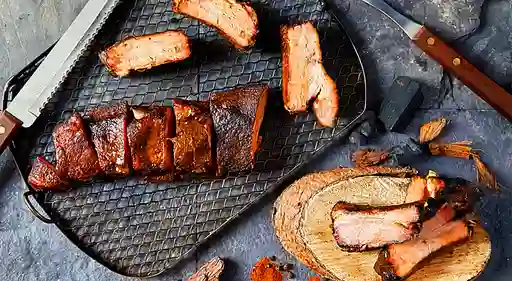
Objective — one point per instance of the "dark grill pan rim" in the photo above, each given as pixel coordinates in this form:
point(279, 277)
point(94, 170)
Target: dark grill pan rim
point(41, 211)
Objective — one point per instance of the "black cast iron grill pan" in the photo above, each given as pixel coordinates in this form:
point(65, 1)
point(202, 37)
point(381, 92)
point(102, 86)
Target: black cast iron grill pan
point(137, 228)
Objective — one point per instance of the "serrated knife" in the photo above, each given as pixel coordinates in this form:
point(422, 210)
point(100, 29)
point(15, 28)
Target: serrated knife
point(468, 74)
point(27, 105)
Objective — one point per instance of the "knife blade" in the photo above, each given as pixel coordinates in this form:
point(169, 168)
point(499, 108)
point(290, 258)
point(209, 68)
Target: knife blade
point(478, 82)
point(27, 105)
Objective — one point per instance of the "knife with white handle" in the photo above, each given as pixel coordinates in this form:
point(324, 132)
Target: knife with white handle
point(27, 105)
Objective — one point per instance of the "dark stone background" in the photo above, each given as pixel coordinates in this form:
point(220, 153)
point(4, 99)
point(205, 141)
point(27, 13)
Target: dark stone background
point(481, 31)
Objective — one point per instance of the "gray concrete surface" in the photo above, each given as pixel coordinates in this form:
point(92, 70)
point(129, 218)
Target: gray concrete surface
point(31, 250)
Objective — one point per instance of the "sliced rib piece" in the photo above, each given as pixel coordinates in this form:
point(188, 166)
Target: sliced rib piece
point(417, 190)
point(397, 261)
point(304, 76)
point(193, 140)
point(149, 138)
point(442, 216)
point(359, 228)
point(235, 21)
point(76, 157)
point(434, 185)
point(237, 116)
point(108, 132)
point(144, 52)
point(43, 176)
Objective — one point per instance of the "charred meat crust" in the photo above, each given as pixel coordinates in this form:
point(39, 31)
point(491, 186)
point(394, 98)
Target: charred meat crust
point(184, 6)
point(141, 53)
point(343, 206)
point(237, 118)
point(101, 113)
point(358, 228)
point(193, 149)
point(149, 138)
point(109, 135)
point(459, 194)
point(76, 157)
point(140, 139)
point(384, 268)
point(325, 96)
point(43, 176)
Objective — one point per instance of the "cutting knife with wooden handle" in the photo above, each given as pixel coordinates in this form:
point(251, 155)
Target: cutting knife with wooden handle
point(478, 82)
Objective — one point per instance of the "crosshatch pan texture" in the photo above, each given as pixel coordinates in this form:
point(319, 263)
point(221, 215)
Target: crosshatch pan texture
point(138, 228)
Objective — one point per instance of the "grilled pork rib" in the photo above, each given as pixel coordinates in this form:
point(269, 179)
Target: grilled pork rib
point(149, 139)
point(359, 227)
point(43, 176)
point(108, 132)
point(304, 76)
point(194, 135)
point(397, 261)
point(237, 116)
point(156, 142)
point(144, 52)
point(235, 21)
point(76, 157)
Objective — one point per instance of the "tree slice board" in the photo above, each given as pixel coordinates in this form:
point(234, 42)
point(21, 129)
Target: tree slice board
point(458, 262)
point(288, 207)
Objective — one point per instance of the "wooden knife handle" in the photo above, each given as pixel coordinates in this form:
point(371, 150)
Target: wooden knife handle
point(8, 127)
point(482, 85)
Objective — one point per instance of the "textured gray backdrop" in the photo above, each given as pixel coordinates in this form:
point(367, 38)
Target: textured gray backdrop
point(31, 250)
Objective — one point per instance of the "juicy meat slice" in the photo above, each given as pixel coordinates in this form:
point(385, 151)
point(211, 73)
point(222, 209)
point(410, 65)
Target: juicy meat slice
point(443, 215)
point(108, 132)
point(360, 227)
point(397, 261)
point(149, 138)
point(76, 157)
point(235, 21)
point(193, 140)
point(434, 186)
point(304, 76)
point(417, 190)
point(237, 116)
point(43, 176)
point(144, 52)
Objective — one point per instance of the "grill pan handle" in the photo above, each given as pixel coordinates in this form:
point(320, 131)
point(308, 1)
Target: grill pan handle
point(26, 197)
point(11, 89)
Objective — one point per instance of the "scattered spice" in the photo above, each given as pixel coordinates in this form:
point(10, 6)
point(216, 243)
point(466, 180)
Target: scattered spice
point(266, 270)
point(210, 271)
point(369, 157)
point(484, 175)
point(460, 149)
point(428, 132)
point(431, 130)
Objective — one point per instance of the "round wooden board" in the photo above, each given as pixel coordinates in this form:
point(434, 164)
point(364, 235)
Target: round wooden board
point(459, 262)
